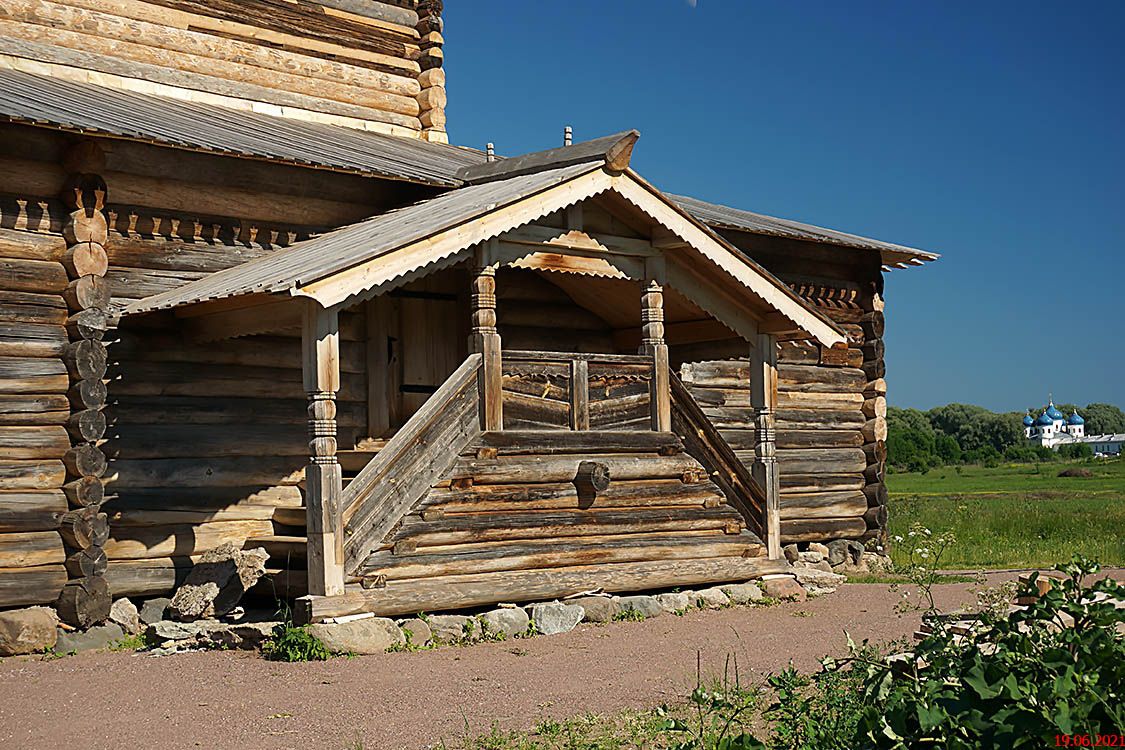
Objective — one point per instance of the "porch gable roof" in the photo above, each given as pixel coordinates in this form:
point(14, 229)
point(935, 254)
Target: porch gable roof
point(376, 255)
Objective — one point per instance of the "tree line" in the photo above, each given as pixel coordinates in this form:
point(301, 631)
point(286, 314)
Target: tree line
point(964, 433)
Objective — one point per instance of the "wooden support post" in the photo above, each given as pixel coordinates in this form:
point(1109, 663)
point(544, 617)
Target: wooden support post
point(579, 394)
point(763, 397)
point(320, 345)
point(485, 340)
point(652, 343)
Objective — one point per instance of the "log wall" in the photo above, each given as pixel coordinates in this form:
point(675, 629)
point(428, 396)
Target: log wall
point(370, 65)
point(831, 419)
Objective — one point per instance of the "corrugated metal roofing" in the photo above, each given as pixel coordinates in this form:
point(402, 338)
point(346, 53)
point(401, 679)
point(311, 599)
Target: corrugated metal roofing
point(724, 217)
point(99, 110)
point(352, 245)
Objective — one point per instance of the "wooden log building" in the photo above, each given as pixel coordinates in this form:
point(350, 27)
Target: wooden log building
point(249, 293)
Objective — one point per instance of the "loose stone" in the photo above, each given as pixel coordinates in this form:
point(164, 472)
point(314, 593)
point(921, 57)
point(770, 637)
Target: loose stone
point(712, 598)
point(674, 602)
point(552, 618)
point(27, 631)
point(597, 608)
point(508, 622)
point(742, 593)
point(373, 635)
point(646, 606)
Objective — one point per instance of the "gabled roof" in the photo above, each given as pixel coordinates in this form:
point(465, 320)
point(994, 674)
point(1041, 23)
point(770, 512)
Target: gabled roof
point(40, 100)
point(86, 108)
point(724, 217)
point(381, 253)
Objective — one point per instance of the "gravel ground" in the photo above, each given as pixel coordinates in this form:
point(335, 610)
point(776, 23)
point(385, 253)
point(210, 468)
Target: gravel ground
point(414, 700)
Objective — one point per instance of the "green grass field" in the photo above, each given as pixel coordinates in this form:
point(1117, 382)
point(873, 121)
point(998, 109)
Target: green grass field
point(1016, 515)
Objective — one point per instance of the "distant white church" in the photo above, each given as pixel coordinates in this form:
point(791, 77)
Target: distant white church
point(1052, 428)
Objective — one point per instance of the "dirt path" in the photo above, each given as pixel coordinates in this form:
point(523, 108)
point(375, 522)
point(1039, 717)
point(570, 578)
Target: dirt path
point(413, 700)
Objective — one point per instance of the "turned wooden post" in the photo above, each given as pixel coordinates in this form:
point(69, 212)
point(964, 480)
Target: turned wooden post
point(320, 344)
point(763, 397)
point(652, 343)
point(486, 341)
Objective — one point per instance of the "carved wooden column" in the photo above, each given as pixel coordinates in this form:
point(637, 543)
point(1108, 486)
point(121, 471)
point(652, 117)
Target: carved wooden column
point(763, 397)
point(652, 343)
point(486, 340)
point(320, 343)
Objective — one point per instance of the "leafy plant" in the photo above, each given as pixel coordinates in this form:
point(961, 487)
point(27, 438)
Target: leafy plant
point(629, 614)
point(923, 565)
point(294, 643)
point(720, 716)
point(1056, 667)
point(134, 642)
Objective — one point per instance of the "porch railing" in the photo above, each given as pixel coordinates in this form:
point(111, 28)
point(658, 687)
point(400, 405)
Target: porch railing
point(576, 391)
point(419, 454)
point(703, 442)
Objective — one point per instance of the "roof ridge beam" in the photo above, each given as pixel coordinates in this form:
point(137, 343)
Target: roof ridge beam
point(615, 150)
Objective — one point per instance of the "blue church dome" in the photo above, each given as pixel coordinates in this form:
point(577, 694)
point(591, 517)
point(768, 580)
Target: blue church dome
point(1075, 419)
point(1045, 420)
point(1054, 413)
point(1028, 420)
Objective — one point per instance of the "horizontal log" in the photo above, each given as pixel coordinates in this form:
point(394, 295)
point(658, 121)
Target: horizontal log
point(86, 563)
point(212, 472)
point(32, 340)
point(150, 577)
point(808, 379)
point(31, 308)
point(86, 259)
point(33, 442)
point(164, 516)
point(221, 381)
point(32, 475)
point(546, 442)
point(31, 511)
point(39, 276)
point(30, 548)
point(558, 554)
point(849, 503)
point(173, 411)
point(142, 542)
point(874, 473)
point(31, 245)
point(130, 441)
point(819, 438)
point(34, 410)
point(805, 461)
point(488, 527)
point(517, 498)
point(874, 324)
point(459, 592)
point(21, 375)
point(796, 483)
point(280, 352)
point(821, 529)
point(26, 586)
point(205, 498)
point(811, 401)
point(86, 426)
point(533, 469)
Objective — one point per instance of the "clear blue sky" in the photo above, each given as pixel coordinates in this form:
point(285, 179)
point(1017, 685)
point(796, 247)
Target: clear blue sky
point(993, 133)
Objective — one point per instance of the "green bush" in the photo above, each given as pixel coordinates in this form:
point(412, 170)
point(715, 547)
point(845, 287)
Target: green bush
point(1017, 682)
point(294, 643)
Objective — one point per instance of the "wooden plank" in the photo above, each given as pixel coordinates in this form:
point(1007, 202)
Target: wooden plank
point(31, 548)
point(562, 468)
point(179, 540)
point(558, 554)
point(579, 395)
point(519, 498)
point(25, 586)
point(459, 592)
